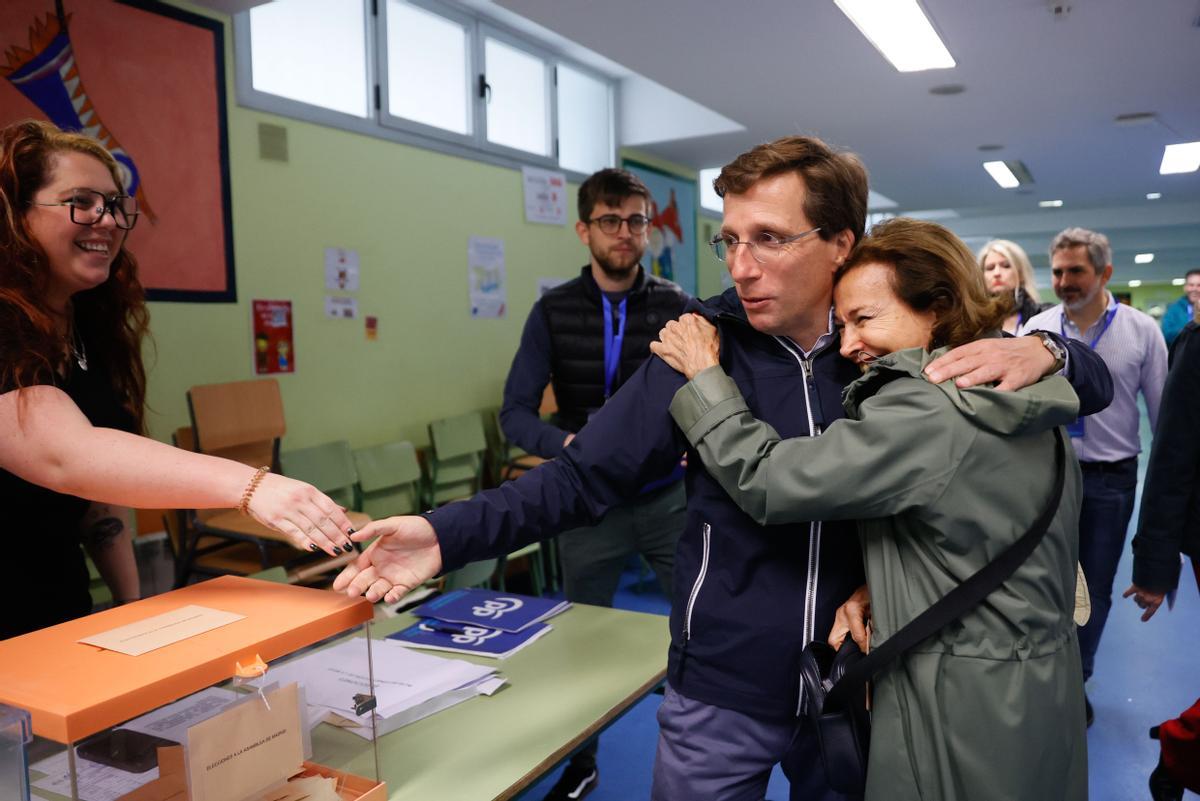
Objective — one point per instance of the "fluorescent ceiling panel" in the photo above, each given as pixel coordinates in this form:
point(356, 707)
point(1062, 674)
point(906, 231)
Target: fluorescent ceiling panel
point(1135, 283)
point(1184, 157)
point(900, 31)
point(1049, 204)
point(1001, 174)
point(1143, 258)
point(1178, 281)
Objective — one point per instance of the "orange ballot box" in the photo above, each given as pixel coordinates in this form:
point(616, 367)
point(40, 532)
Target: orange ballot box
point(185, 697)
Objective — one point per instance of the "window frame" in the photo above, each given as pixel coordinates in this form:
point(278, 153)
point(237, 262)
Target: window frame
point(383, 107)
point(611, 86)
point(381, 124)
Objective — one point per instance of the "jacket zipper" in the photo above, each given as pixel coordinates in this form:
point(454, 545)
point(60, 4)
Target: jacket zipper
point(814, 527)
point(687, 621)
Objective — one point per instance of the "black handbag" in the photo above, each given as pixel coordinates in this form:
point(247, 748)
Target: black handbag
point(834, 683)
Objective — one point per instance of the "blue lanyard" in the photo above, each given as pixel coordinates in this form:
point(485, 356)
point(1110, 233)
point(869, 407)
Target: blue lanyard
point(612, 343)
point(1108, 318)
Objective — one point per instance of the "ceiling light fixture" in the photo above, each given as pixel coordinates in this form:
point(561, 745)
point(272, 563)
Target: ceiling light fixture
point(1183, 157)
point(1009, 174)
point(1153, 195)
point(1135, 283)
point(1178, 281)
point(1049, 204)
point(900, 30)
point(1143, 258)
point(1001, 174)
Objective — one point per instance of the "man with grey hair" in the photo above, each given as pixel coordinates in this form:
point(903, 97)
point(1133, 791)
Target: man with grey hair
point(1107, 443)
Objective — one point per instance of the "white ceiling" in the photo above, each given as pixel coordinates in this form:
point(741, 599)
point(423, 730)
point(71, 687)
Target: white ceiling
point(1045, 88)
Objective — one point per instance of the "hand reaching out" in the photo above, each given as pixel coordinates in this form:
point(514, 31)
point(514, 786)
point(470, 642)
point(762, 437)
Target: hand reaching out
point(405, 554)
point(305, 515)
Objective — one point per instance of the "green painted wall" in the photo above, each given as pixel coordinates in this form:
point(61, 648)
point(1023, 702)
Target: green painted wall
point(408, 212)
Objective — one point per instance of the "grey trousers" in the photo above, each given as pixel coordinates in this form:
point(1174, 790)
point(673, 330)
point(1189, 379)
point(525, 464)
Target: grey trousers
point(594, 557)
point(718, 754)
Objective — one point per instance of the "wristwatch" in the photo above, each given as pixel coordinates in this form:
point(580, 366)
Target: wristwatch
point(1056, 350)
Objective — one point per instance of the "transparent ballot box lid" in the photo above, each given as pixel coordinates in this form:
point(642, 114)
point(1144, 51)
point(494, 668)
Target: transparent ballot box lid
point(229, 690)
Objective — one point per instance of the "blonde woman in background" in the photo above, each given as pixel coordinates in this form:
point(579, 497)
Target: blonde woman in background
point(1006, 268)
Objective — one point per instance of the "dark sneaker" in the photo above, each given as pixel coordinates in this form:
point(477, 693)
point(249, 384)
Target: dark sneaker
point(1162, 786)
point(575, 783)
point(1088, 713)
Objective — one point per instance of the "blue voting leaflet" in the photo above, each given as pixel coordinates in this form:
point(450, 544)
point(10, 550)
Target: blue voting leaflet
point(438, 635)
point(505, 611)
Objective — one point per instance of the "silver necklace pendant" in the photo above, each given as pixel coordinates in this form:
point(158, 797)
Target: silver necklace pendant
point(80, 354)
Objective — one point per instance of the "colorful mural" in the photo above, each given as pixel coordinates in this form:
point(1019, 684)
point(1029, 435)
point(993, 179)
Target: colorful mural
point(147, 81)
point(672, 249)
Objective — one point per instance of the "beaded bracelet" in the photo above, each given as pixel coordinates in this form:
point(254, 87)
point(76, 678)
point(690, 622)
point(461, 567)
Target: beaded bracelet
point(244, 506)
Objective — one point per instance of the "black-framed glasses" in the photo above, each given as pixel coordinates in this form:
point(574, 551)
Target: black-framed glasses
point(88, 207)
point(611, 223)
point(764, 247)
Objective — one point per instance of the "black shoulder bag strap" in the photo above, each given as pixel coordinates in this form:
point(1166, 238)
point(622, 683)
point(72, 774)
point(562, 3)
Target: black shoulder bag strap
point(959, 600)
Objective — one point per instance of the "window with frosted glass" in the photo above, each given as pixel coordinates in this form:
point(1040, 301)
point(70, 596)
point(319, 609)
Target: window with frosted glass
point(313, 51)
point(517, 113)
point(427, 68)
point(584, 122)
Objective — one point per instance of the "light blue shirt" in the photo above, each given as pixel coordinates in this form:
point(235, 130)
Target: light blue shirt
point(1136, 356)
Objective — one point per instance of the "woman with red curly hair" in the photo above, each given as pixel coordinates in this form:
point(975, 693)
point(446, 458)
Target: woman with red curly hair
point(72, 391)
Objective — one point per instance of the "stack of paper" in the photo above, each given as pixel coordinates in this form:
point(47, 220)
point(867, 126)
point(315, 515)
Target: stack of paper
point(480, 622)
point(408, 686)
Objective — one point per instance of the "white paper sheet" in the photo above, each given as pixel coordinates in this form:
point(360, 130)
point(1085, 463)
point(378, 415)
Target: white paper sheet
point(95, 782)
point(173, 720)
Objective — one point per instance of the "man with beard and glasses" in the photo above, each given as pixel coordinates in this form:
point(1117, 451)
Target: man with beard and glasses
point(1108, 442)
point(586, 337)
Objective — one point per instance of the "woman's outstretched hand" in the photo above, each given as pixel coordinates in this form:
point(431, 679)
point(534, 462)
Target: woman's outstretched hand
point(306, 516)
point(688, 345)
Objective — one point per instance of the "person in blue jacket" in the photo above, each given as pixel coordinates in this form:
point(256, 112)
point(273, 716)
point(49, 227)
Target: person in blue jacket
point(747, 598)
point(1182, 311)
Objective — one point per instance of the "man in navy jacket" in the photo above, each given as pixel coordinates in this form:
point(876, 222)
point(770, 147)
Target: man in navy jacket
point(747, 598)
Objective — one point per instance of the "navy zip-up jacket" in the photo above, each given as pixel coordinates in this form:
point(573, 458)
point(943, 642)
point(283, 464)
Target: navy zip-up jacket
point(746, 598)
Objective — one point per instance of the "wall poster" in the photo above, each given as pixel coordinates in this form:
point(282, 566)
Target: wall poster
point(148, 81)
point(672, 250)
point(274, 345)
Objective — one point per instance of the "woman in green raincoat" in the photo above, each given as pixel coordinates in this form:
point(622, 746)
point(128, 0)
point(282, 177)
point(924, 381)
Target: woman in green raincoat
point(942, 480)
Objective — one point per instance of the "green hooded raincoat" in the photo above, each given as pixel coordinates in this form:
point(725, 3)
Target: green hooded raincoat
point(942, 480)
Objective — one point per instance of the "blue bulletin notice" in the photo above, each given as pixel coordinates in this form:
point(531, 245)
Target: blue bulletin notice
point(439, 635)
point(504, 611)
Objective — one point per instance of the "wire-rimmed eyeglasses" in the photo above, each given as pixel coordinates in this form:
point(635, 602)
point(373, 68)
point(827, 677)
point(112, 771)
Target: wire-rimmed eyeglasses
point(611, 223)
point(764, 247)
point(88, 207)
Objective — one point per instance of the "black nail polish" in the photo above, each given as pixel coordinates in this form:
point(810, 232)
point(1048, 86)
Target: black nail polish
point(351, 530)
point(349, 547)
point(312, 547)
point(337, 550)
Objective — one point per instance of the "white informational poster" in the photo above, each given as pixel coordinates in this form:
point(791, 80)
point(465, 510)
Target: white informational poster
point(341, 308)
point(544, 285)
point(545, 196)
point(341, 270)
point(485, 276)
